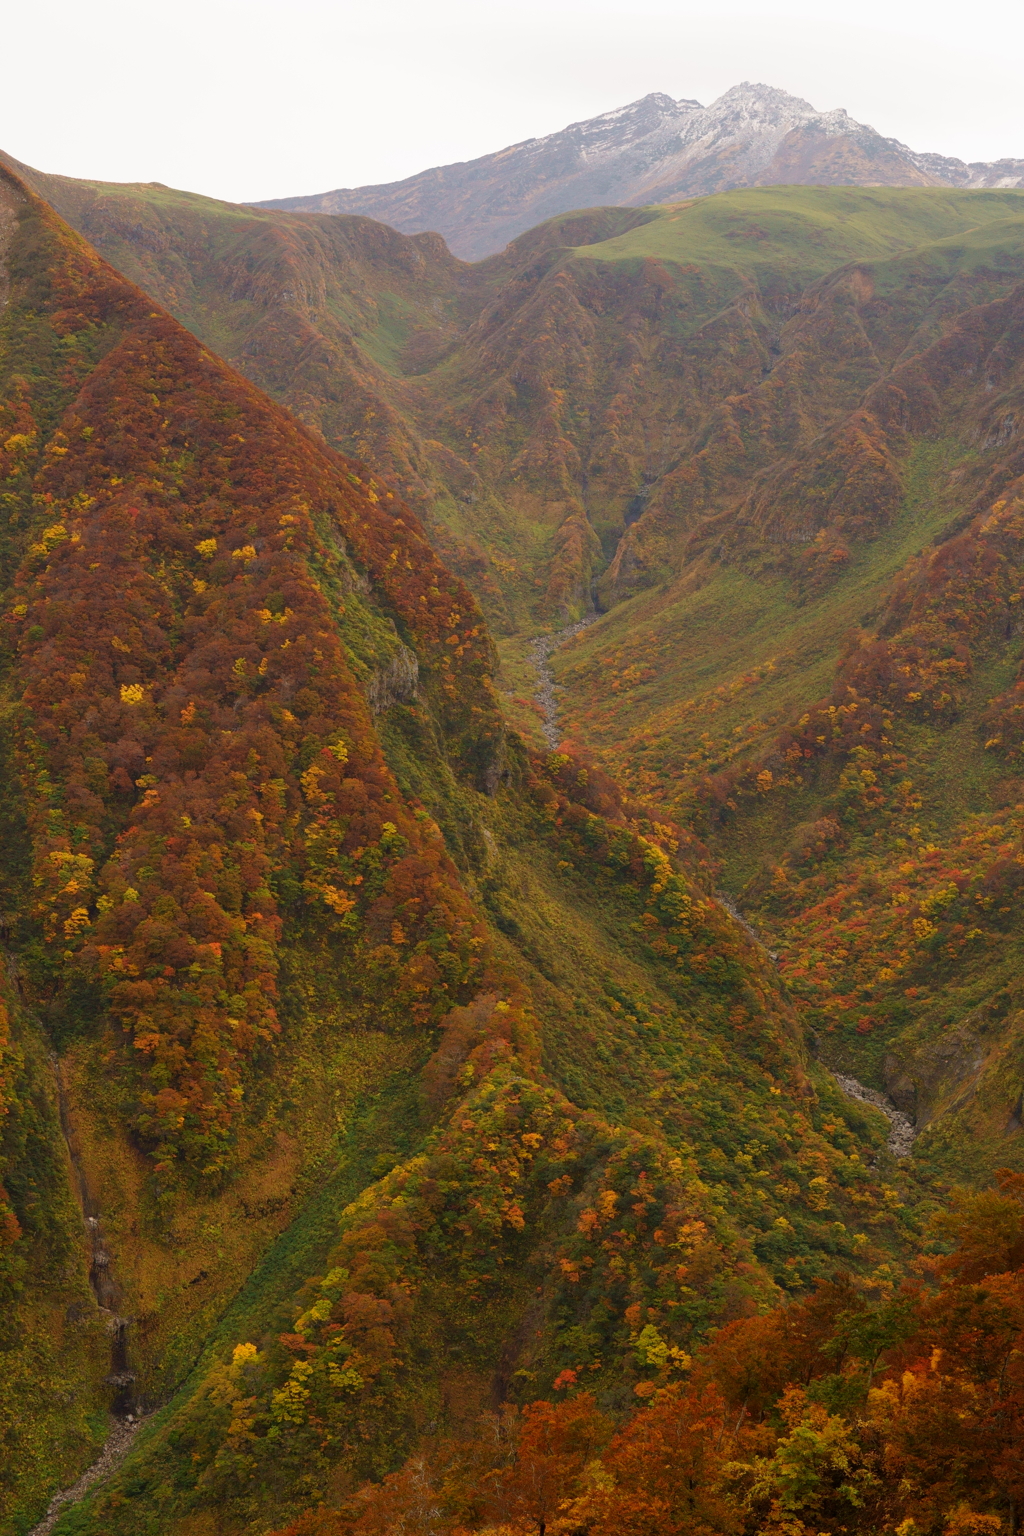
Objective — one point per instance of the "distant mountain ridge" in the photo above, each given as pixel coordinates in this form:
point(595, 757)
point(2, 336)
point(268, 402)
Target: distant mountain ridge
point(650, 151)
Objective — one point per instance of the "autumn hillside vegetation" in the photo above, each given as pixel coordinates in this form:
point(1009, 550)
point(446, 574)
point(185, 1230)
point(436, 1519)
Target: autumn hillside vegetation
point(836, 1414)
point(392, 1109)
point(826, 691)
point(398, 1069)
point(531, 406)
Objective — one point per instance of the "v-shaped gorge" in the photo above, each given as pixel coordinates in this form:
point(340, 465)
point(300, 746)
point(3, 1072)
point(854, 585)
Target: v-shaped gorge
point(317, 976)
point(824, 683)
point(533, 405)
point(405, 1069)
point(760, 429)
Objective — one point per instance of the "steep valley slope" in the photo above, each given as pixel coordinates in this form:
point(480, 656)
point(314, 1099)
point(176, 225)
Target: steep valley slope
point(340, 1030)
point(405, 1066)
point(528, 405)
point(818, 670)
point(691, 414)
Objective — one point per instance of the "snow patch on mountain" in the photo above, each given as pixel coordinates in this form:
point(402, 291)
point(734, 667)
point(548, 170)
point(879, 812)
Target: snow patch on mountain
point(652, 150)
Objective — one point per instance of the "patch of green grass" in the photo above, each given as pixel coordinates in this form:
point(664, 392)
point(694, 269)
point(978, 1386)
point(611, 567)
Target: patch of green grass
point(386, 340)
point(780, 235)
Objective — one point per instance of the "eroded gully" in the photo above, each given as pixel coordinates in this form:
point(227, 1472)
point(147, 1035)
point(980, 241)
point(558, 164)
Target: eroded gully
point(124, 1412)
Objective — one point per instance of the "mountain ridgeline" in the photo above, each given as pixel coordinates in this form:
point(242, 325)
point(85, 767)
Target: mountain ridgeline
point(399, 1114)
point(654, 150)
point(530, 406)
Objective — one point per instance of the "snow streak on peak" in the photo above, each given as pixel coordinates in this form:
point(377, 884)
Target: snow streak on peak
point(655, 149)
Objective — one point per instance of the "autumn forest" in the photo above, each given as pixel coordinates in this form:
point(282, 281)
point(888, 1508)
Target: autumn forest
point(512, 843)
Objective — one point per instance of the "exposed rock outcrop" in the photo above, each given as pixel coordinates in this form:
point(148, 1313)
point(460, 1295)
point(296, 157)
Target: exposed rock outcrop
point(394, 683)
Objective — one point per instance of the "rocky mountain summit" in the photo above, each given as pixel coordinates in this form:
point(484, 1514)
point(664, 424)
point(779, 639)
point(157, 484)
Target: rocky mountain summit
point(650, 151)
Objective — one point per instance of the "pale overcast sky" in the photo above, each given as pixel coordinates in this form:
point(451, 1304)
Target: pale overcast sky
point(246, 99)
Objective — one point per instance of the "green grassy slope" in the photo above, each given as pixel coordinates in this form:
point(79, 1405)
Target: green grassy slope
point(775, 234)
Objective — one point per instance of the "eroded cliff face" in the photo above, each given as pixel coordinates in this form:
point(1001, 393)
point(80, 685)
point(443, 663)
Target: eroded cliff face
point(961, 1082)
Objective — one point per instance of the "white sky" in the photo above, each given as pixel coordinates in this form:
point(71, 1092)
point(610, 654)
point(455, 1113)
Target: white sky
point(246, 99)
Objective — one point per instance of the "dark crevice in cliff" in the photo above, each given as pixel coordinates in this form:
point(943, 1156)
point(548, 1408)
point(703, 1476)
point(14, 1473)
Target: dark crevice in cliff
point(101, 1272)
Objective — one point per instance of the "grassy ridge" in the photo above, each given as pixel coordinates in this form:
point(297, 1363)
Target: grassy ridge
point(775, 233)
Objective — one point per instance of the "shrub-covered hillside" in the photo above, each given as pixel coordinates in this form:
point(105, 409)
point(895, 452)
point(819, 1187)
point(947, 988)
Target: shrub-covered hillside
point(358, 1066)
point(609, 374)
point(827, 690)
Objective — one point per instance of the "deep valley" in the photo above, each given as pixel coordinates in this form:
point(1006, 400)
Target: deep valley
point(512, 840)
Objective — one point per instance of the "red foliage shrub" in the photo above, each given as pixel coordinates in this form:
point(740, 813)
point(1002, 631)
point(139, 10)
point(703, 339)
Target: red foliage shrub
point(191, 729)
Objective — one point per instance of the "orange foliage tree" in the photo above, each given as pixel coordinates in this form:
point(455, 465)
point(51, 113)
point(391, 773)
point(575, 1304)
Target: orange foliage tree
point(198, 761)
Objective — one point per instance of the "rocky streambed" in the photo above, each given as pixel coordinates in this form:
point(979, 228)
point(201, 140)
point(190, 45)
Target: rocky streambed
point(541, 650)
point(902, 1130)
point(116, 1447)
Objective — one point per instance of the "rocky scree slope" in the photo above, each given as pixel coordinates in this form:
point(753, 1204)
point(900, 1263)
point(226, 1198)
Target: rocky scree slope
point(650, 151)
point(349, 1021)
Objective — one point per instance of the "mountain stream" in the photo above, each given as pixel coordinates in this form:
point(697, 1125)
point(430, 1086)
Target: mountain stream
point(902, 1131)
point(901, 1127)
point(540, 653)
point(124, 1414)
point(125, 1419)
point(101, 1275)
